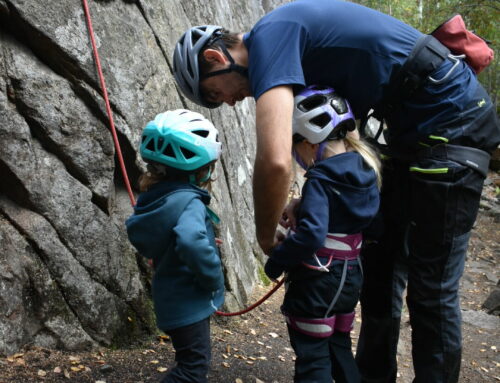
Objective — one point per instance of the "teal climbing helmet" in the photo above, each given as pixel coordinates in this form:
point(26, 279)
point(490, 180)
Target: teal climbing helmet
point(180, 139)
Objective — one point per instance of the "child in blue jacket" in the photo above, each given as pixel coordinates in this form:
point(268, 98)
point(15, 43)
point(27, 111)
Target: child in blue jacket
point(172, 226)
point(339, 200)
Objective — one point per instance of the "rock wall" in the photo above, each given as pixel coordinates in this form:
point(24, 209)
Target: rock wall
point(68, 276)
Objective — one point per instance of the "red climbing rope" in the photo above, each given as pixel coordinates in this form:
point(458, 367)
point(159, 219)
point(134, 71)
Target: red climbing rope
point(106, 100)
point(251, 307)
point(120, 156)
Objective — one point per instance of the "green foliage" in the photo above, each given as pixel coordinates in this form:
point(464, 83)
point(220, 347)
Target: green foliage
point(481, 16)
point(263, 277)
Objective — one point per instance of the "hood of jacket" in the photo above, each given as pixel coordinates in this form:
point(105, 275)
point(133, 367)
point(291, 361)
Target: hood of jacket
point(346, 170)
point(156, 213)
point(354, 192)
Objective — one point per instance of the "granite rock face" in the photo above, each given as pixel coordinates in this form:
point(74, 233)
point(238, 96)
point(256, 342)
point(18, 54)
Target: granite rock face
point(68, 276)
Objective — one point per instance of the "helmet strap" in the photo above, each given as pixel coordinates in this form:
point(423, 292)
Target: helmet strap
point(299, 160)
point(193, 181)
point(319, 152)
point(233, 67)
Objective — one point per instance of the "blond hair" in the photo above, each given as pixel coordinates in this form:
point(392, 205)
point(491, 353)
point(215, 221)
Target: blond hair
point(366, 151)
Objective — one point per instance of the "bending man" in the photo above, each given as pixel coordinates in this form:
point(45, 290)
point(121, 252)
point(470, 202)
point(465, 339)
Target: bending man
point(441, 127)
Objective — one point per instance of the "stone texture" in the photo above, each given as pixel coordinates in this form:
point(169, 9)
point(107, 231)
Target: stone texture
point(68, 276)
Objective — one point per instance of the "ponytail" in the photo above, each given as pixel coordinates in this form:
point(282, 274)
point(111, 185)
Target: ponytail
point(368, 153)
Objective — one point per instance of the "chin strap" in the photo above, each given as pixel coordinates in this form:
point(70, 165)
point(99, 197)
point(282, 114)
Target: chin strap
point(233, 67)
point(193, 181)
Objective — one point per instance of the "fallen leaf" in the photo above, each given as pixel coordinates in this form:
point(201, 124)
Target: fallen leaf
point(42, 373)
point(250, 362)
point(154, 361)
point(161, 369)
point(228, 332)
point(129, 319)
point(57, 370)
point(238, 380)
point(252, 331)
point(225, 364)
point(75, 369)
point(66, 374)
point(273, 335)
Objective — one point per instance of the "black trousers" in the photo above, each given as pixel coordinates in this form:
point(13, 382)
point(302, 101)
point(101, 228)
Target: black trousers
point(428, 210)
point(192, 353)
point(308, 295)
point(321, 359)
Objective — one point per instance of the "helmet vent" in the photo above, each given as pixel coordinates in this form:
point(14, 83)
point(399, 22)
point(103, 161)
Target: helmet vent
point(187, 153)
point(322, 120)
point(202, 133)
point(312, 102)
point(168, 151)
point(189, 68)
point(339, 104)
point(151, 145)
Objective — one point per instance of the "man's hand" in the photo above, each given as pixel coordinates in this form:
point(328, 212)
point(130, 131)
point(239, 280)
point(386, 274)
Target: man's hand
point(271, 179)
point(288, 219)
point(278, 238)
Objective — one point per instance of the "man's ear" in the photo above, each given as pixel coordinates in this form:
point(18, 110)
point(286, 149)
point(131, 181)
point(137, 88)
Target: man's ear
point(214, 56)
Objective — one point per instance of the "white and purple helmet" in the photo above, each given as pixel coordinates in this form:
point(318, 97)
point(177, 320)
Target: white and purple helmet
point(320, 114)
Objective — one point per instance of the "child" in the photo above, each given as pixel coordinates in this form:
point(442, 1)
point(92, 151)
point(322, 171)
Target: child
point(321, 255)
point(172, 226)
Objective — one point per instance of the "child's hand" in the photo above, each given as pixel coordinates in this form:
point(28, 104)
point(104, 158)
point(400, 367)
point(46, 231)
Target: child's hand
point(288, 220)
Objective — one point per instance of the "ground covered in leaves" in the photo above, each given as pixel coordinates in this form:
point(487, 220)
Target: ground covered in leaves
point(254, 348)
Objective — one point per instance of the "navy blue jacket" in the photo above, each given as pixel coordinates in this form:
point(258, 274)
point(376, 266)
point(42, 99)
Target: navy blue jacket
point(340, 195)
point(170, 225)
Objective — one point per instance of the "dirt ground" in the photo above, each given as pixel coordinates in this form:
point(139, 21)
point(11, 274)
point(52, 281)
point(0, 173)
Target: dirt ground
point(254, 348)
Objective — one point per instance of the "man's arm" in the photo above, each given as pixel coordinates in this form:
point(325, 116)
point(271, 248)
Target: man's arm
point(271, 179)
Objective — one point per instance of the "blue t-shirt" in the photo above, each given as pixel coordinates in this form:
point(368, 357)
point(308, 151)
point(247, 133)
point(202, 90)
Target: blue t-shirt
point(326, 42)
point(355, 50)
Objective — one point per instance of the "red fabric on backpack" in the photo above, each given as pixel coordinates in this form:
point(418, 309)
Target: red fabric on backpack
point(454, 35)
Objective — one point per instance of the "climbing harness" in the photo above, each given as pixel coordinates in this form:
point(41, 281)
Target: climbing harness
point(119, 152)
point(345, 247)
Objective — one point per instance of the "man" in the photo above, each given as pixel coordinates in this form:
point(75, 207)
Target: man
point(441, 125)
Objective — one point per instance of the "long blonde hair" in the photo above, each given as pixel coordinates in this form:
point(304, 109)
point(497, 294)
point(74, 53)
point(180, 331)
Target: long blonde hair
point(366, 151)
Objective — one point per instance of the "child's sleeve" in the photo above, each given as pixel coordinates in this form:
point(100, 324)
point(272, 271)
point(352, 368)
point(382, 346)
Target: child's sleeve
point(312, 227)
point(194, 247)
